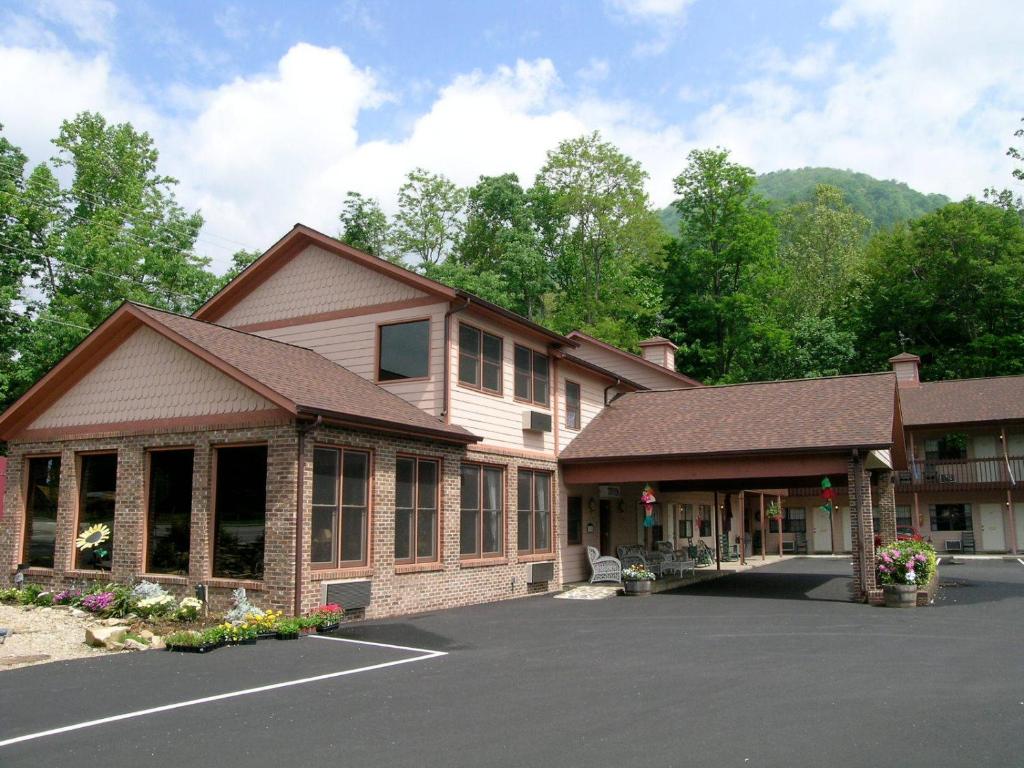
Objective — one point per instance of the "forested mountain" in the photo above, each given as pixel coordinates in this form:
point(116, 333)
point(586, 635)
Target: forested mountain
point(882, 202)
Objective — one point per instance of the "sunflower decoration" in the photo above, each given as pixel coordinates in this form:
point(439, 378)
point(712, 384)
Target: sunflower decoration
point(92, 537)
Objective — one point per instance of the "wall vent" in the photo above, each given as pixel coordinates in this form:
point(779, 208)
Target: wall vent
point(535, 421)
point(349, 594)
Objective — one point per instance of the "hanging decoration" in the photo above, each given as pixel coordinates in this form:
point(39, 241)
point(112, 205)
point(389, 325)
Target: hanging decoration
point(828, 493)
point(647, 499)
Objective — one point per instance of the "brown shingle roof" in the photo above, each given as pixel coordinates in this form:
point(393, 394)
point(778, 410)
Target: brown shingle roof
point(801, 415)
point(305, 378)
point(963, 401)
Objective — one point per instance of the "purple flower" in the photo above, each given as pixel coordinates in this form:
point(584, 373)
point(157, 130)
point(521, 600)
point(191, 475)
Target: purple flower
point(99, 602)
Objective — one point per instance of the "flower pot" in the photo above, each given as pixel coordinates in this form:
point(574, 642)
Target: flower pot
point(206, 648)
point(900, 595)
point(322, 628)
point(637, 588)
point(287, 635)
point(243, 641)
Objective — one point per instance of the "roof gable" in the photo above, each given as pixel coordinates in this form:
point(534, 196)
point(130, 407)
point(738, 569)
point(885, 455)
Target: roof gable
point(640, 369)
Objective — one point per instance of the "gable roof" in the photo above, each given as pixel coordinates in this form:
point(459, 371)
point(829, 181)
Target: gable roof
point(575, 335)
point(300, 236)
point(964, 401)
point(804, 415)
point(297, 380)
point(603, 372)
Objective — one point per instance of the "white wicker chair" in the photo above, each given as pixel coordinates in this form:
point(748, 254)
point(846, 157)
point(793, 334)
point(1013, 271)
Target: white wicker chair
point(603, 567)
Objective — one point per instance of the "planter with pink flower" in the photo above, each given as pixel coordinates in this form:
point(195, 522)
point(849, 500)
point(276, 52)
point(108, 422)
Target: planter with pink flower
point(906, 568)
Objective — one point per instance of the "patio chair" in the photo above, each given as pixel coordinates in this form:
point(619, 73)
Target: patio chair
point(603, 567)
point(729, 551)
point(701, 553)
point(631, 554)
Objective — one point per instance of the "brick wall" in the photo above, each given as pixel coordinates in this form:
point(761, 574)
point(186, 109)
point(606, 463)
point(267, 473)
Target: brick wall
point(862, 530)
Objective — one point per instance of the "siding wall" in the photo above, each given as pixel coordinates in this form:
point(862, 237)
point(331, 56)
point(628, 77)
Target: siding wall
point(591, 399)
point(149, 377)
point(352, 343)
point(634, 370)
point(316, 281)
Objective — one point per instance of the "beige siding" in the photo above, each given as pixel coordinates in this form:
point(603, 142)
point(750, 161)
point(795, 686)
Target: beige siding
point(496, 419)
point(316, 281)
point(634, 370)
point(591, 399)
point(149, 377)
point(352, 343)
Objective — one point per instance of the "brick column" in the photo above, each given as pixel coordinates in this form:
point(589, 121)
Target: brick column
point(12, 525)
point(64, 552)
point(200, 535)
point(129, 507)
point(863, 533)
point(887, 507)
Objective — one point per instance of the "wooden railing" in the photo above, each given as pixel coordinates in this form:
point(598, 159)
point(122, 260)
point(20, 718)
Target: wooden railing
point(947, 475)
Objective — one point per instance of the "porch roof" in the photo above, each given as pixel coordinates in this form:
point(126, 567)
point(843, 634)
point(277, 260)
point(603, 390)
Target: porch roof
point(964, 401)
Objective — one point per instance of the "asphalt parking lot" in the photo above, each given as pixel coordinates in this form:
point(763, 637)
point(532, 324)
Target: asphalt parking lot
point(769, 667)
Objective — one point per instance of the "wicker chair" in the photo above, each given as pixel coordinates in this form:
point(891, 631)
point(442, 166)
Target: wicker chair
point(672, 561)
point(603, 567)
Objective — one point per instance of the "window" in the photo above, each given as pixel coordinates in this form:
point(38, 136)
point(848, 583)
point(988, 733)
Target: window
point(479, 359)
point(404, 351)
point(41, 511)
point(951, 446)
point(415, 510)
point(572, 405)
point(904, 518)
point(169, 513)
point(240, 512)
point(531, 379)
point(951, 517)
point(705, 512)
point(534, 511)
point(98, 489)
point(482, 511)
point(574, 521)
point(340, 518)
point(794, 520)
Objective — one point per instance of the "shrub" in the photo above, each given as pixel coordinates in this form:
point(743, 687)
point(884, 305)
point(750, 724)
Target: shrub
point(29, 593)
point(123, 601)
point(67, 597)
point(9, 595)
point(188, 609)
point(44, 599)
point(156, 606)
point(906, 562)
point(147, 590)
point(241, 607)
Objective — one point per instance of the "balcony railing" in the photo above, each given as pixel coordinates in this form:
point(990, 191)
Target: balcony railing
point(961, 474)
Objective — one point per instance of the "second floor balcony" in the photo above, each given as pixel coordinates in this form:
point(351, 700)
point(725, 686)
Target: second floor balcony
point(961, 474)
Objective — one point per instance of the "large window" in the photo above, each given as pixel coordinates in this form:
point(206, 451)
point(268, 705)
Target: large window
point(574, 521)
point(952, 446)
point(705, 513)
point(904, 517)
point(951, 517)
point(794, 520)
point(97, 489)
point(531, 377)
point(240, 512)
point(169, 512)
point(415, 510)
point(404, 351)
point(573, 416)
point(341, 494)
point(534, 510)
point(41, 510)
point(482, 511)
point(479, 359)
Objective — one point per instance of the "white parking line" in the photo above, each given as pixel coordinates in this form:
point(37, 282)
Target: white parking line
point(938, 561)
point(424, 655)
point(1020, 561)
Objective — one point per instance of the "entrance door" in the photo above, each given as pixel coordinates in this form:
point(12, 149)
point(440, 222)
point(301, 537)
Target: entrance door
point(605, 526)
point(822, 530)
point(993, 539)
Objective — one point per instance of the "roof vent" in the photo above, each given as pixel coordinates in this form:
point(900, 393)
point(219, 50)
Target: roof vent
point(906, 366)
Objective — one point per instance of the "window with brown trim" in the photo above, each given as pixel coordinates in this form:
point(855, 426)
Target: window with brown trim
point(531, 376)
point(97, 494)
point(534, 511)
point(403, 351)
point(340, 516)
point(41, 510)
point(240, 512)
point(169, 512)
point(481, 523)
point(416, 516)
point(574, 521)
point(573, 416)
point(480, 355)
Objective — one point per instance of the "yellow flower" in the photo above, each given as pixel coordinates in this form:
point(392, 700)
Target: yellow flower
point(92, 536)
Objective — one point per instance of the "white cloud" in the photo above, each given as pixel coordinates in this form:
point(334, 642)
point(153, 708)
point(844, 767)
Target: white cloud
point(663, 18)
point(596, 70)
point(90, 20)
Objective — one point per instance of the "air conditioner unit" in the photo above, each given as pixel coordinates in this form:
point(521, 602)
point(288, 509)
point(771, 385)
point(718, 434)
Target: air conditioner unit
point(535, 421)
point(349, 594)
point(540, 572)
point(609, 492)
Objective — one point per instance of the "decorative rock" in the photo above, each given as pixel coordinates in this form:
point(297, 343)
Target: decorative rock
point(100, 637)
point(146, 634)
point(134, 645)
point(78, 613)
point(157, 643)
point(114, 622)
point(112, 646)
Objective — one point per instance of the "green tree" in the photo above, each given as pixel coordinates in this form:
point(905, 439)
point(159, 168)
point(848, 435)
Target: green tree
point(240, 259)
point(429, 219)
point(365, 226)
point(723, 267)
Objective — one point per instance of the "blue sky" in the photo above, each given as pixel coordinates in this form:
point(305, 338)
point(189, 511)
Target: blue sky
point(269, 112)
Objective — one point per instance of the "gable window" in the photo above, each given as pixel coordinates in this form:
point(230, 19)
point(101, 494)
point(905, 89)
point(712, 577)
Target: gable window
point(951, 517)
point(574, 521)
point(403, 351)
point(97, 492)
point(41, 511)
point(573, 417)
point(534, 510)
point(479, 359)
point(482, 511)
point(794, 520)
point(169, 512)
point(340, 518)
point(531, 378)
point(416, 530)
point(240, 512)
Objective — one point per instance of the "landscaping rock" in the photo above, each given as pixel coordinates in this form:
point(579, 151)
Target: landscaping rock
point(146, 634)
point(114, 622)
point(78, 613)
point(134, 645)
point(157, 643)
point(113, 646)
point(99, 637)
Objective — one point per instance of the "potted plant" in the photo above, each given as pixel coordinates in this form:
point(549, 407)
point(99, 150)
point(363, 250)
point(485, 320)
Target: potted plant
point(288, 629)
point(328, 617)
point(239, 634)
point(636, 580)
point(195, 642)
point(904, 567)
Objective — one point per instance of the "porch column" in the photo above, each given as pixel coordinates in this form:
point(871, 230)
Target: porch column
point(862, 528)
point(764, 532)
point(778, 521)
point(743, 528)
point(887, 507)
point(718, 540)
point(1011, 518)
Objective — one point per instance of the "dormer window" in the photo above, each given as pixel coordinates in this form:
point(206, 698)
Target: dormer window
point(403, 351)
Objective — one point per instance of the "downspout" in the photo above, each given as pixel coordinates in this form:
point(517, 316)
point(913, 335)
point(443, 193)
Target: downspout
point(302, 429)
point(447, 389)
point(610, 386)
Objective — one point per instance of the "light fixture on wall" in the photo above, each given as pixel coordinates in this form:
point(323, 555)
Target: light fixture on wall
point(592, 504)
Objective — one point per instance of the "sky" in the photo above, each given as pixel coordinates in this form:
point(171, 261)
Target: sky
point(269, 112)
